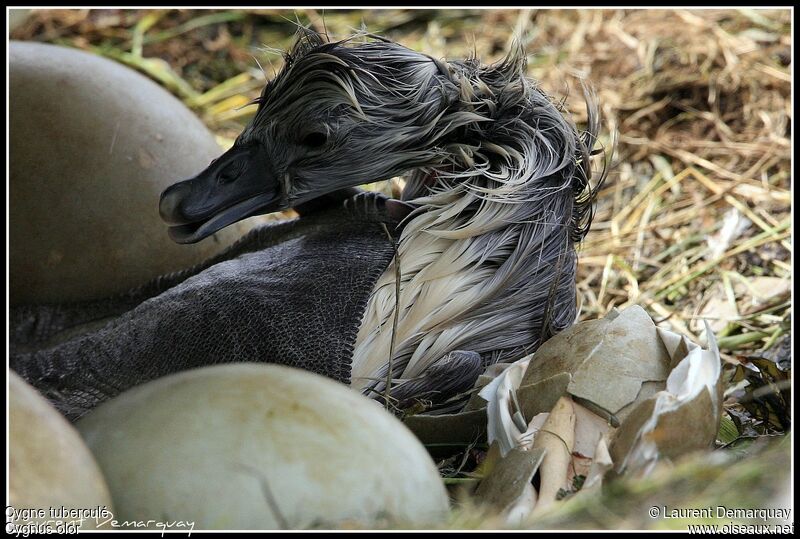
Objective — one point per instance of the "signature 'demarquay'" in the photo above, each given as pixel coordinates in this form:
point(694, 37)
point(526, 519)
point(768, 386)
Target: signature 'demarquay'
point(164, 525)
point(23, 522)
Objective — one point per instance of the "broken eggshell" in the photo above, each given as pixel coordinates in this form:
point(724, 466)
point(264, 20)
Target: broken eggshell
point(613, 363)
point(607, 365)
point(664, 390)
point(504, 415)
point(507, 485)
point(682, 418)
point(557, 439)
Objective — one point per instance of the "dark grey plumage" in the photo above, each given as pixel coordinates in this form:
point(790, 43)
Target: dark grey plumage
point(264, 299)
point(451, 375)
point(497, 178)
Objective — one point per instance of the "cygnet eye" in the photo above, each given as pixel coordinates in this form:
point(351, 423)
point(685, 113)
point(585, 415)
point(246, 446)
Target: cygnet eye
point(315, 139)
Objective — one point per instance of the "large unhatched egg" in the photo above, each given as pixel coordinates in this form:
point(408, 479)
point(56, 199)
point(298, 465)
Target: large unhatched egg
point(52, 476)
point(16, 18)
point(92, 146)
point(258, 446)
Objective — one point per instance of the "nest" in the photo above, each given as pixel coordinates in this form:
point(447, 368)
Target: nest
point(694, 221)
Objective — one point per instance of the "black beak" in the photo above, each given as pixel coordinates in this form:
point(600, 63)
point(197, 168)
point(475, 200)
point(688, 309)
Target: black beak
point(238, 184)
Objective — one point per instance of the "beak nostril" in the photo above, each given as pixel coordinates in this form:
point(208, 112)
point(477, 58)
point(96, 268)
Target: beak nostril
point(236, 185)
point(226, 177)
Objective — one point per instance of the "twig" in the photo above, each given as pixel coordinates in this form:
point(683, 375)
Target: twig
point(396, 317)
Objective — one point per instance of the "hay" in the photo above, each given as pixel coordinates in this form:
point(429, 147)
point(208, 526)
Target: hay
point(700, 99)
point(695, 219)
